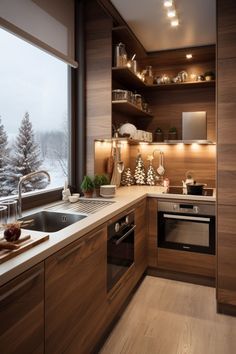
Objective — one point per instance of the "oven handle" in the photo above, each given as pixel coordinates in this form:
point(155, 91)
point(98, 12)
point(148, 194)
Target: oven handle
point(117, 242)
point(185, 217)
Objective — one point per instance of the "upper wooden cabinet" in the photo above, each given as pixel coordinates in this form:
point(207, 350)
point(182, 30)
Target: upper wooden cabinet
point(22, 313)
point(226, 28)
point(75, 295)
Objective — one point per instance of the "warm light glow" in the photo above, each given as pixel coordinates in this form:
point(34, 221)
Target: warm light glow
point(195, 146)
point(180, 146)
point(189, 56)
point(168, 3)
point(129, 64)
point(171, 13)
point(193, 77)
point(143, 143)
point(175, 23)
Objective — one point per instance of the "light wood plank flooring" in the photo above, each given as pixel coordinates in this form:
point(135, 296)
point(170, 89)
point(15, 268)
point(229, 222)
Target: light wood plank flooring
point(170, 317)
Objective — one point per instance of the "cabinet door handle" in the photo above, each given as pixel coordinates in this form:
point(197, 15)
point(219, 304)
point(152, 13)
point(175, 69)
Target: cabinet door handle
point(64, 255)
point(20, 285)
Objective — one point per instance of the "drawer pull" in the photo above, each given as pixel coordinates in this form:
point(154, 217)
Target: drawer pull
point(20, 285)
point(72, 250)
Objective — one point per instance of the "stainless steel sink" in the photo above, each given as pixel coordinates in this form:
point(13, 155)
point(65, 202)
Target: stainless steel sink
point(50, 221)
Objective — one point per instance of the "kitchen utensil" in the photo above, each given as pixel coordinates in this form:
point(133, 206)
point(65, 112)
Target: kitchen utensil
point(128, 128)
point(110, 162)
point(195, 188)
point(11, 210)
point(160, 169)
point(116, 175)
point(120, 164)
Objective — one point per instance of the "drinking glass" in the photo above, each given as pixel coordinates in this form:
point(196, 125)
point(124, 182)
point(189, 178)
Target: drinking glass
point(11, 206)
point(3, 217)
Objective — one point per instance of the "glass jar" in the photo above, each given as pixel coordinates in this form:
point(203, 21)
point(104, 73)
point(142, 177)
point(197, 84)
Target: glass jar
point(120, 58)
point(149, 75)
point(138, 100)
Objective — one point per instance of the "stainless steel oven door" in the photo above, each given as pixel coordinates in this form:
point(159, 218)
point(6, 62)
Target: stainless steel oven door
point(195, 233)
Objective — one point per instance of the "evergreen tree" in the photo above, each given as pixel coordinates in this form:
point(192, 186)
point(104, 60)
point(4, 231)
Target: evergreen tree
point(151, 175)
point(5, 188)
point(27, 158)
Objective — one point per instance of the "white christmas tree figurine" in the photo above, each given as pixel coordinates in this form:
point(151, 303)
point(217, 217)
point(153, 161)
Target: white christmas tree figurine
point(127, 178)
point(139, 173)
point(151, 175)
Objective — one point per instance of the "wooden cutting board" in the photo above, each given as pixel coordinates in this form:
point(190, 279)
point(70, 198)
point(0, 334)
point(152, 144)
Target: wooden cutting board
point(5, 255)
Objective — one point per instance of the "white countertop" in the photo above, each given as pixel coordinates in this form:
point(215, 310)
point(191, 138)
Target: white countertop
point(125, 197)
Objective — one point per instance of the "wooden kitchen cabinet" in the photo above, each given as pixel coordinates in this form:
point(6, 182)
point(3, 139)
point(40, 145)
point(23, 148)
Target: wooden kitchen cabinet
point(152, 232)
point(22, 313)
point(140, 247)
point(75, 295)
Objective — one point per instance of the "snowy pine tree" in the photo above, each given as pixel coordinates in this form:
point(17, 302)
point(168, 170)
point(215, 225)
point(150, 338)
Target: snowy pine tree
point(27, 158)
point(5, 188)
point(139, 173)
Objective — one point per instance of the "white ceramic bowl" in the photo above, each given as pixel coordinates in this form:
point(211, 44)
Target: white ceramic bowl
point(73, 198)
point(128, 128)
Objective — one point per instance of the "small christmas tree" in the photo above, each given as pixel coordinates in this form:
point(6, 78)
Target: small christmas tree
point(5, 188)
point(127, 178)
point(27, 158)
point(151, 175)
point(139, 173)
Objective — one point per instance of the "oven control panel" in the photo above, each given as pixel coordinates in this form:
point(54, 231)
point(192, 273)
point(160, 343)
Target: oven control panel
point(187, 208)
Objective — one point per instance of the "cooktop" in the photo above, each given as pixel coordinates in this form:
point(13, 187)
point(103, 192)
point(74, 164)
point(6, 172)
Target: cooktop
point(180, 190)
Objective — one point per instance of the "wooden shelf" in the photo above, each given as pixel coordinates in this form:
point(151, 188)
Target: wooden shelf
point(182, 85)
point(130, 109)
point(137, 142)
point(126, 76)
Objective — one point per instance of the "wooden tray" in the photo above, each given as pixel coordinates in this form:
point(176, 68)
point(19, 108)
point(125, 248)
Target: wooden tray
point(5, 255)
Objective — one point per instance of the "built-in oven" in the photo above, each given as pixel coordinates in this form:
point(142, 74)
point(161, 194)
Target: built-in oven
point(120, 248)
point(186, 226)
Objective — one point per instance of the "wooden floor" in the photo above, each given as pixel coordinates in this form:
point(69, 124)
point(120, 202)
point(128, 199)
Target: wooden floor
point(170, 317)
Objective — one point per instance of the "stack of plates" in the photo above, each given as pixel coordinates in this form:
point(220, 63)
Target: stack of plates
point(108, 191)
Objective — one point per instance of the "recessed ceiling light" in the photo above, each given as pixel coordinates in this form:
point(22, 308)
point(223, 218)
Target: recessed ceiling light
point(171, 13)
point(168, 3)
point(175, 23)
point(189, 56)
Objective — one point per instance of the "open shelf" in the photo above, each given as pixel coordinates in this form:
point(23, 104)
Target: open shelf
point(182, 85)
point(127, 76)
point(137, 142)
point(129, 108)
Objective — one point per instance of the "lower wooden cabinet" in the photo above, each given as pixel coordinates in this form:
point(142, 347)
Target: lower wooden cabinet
point(226, 257)
point(22, 313)
point(75, 295)
point(140, 246)
point(152, 232)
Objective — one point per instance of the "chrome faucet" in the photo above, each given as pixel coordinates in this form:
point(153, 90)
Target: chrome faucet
point(24, 178)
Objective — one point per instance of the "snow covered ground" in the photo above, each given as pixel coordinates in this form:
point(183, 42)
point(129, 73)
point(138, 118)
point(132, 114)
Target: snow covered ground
point(54, 168)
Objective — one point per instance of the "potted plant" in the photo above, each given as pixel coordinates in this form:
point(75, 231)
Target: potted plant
point(99, 180)
point(209, 75)
point(158, 135)
point(172, 134)
point(87, 187)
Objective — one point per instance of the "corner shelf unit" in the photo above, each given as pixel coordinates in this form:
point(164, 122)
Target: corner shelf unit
point(140, 142)
point(126, 107)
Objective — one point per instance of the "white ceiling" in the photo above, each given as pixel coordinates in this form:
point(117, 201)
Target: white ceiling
point(149, 22)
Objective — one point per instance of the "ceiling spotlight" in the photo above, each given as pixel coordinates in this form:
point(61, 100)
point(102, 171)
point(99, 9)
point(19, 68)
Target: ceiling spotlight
point(171, 13)
point(174, 23)
point(168, 3)
point(189, 56)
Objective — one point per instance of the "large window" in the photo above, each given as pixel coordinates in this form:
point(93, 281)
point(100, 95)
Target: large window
point(33, 116)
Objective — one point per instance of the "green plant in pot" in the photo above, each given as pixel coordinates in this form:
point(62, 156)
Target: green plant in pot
point(158, 135)
point(99, 180)
point(87, 187)
point(172, 134)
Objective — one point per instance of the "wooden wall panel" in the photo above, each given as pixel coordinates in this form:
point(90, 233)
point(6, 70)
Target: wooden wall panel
point(226, 152)
point(98, 77)
point(178, 159)
point(167, 108)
